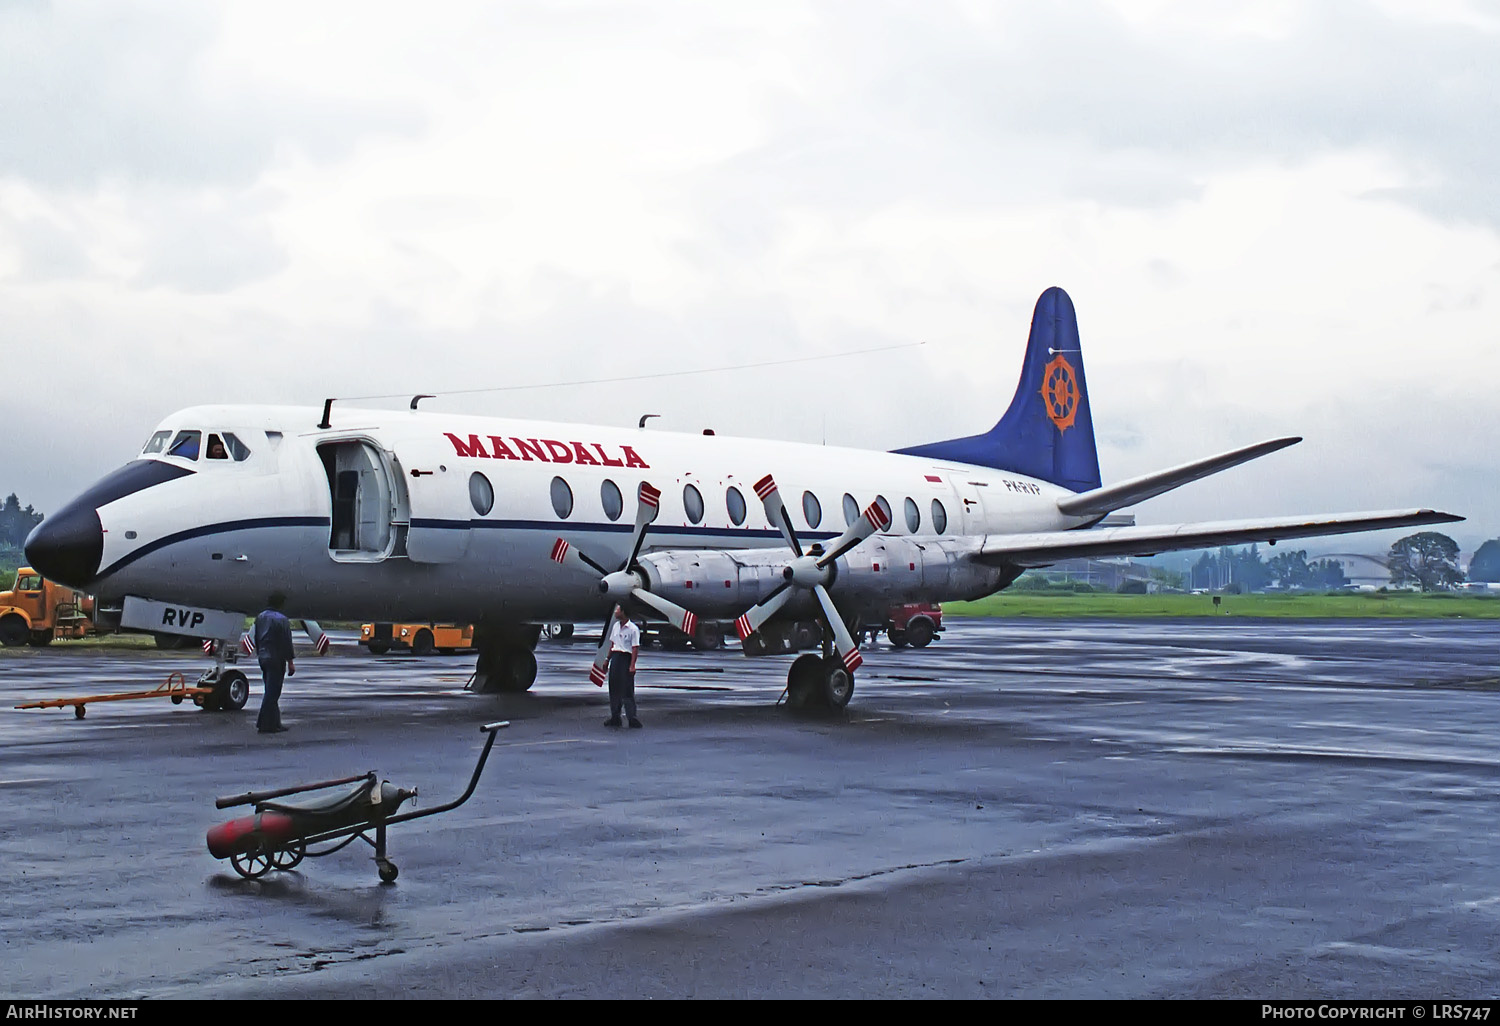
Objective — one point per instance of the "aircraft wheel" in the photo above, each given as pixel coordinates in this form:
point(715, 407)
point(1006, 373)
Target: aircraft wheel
point(421, 644)
point(803, 682)
point(708, 639)
point(754, 645)
point(806, 636)
point(919, 633)
point(564, 631)
point(837, 684)
point(897, 638)
point(505, 671)
point(231, 692)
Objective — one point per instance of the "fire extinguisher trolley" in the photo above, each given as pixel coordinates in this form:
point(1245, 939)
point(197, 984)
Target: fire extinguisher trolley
point(281, 833)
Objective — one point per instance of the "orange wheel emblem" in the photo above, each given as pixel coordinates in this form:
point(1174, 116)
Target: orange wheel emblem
point(1060, 392)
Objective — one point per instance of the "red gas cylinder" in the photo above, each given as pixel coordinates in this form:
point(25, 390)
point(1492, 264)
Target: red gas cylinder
point(264, 830)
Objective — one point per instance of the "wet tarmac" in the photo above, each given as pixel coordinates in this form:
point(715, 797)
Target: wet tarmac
point(1025, 809)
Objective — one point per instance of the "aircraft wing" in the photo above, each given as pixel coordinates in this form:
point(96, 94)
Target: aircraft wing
point(1043, 548)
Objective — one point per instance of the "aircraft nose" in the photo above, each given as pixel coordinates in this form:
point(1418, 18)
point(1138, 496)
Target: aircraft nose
point(67, 546)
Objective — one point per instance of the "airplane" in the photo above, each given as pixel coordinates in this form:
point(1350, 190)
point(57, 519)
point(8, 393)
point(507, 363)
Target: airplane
point(378, 514)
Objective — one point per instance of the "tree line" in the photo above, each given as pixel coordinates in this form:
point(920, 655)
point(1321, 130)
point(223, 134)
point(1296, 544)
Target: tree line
point(1427, 559)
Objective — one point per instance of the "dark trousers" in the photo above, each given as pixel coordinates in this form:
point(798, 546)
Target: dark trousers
point(621, 685)
point(273, 672)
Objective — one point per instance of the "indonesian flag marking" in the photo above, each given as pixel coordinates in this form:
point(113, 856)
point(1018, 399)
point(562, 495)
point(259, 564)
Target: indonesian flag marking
point(934, 478)
point(559, 550)
point(765, 486)
point(853, 660)
point(596, 674)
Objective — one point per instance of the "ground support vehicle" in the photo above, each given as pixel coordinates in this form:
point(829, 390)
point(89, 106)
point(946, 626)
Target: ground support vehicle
point(36, 611)
point(915, 624)
point(175, 688)
point(281, 833)
point(418, 639)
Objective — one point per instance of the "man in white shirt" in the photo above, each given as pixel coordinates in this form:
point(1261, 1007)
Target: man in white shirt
point(624, 644)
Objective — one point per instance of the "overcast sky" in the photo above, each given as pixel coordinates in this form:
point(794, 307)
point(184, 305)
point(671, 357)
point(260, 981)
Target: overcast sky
point(1273, 218)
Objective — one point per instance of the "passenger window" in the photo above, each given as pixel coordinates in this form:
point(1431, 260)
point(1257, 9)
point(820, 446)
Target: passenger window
point(851, 510)
point(939, 517)
point(238, 449)
point(812, 509)
point(158, 442)
point(692, 503)
point(481, 493)
point(216, 450)
point(611, 499)
point(913, 515)
point(736, 503)
point(562, 498)
point(186, 444)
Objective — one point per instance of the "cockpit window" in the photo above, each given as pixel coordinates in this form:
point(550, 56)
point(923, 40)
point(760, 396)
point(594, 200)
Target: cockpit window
point(216, 450)
point(238, 449)
point(186, 444)
point(158, 442)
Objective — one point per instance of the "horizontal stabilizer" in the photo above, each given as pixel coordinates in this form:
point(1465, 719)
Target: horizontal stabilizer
point(1046, 547)
point(1139, 489)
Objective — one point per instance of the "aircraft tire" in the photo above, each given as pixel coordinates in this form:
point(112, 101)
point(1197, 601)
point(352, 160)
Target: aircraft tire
point(520, 672)
point(708, 639)
point(231, 692)
point(804, 682)
point(919, 632)
point(754, 645)
point(837, 685)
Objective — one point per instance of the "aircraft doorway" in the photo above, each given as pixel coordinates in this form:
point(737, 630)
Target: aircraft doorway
point(359, 484)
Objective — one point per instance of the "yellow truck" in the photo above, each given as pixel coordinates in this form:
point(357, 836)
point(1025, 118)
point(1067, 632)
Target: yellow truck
point(36, 610)
point(416, 638)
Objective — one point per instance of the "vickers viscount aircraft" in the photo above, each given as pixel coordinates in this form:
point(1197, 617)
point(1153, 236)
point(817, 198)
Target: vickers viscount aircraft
point(410, 514)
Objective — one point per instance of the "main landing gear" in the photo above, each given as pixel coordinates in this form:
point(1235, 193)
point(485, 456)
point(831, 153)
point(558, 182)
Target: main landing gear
point(819, 683)
point(506, 663)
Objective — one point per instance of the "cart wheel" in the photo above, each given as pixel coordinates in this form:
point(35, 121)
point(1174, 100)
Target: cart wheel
point(176, 699)
point(288, 858)
point(388, 870)
point(78, 711)
point(251, 865)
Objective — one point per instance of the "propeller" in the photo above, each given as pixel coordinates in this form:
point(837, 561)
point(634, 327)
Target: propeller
point(626, 582)
point(811, 571)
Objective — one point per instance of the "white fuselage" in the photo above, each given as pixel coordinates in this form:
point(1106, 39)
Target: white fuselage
point(392, 515)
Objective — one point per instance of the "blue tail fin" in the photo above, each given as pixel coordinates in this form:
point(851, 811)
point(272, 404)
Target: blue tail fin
point(1048, 432)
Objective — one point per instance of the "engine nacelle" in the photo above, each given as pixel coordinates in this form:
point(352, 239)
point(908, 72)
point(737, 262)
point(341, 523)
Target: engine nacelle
point(883, 572)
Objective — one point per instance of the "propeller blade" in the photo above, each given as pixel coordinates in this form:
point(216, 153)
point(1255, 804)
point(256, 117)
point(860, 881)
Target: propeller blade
point(597, 672)
point(318, 635)
point(776, 513)
point(873, 519)
point(648, 501)
point(847, 648)
point(682, 619)
point(567, 555)
point(763, 610)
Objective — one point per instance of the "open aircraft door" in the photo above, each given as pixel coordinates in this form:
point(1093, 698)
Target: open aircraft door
point(438, 503)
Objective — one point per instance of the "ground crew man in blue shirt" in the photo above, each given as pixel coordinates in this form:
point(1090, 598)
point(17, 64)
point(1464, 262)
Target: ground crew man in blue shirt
point(624, 644)
point(273, 650)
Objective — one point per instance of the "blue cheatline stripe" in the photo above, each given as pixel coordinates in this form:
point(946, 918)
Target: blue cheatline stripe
point(565, 525)
point(452, 525)
point(207, 530)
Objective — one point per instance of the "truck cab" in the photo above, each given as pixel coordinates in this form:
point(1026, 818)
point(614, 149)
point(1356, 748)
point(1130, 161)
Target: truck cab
point(37, 610)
